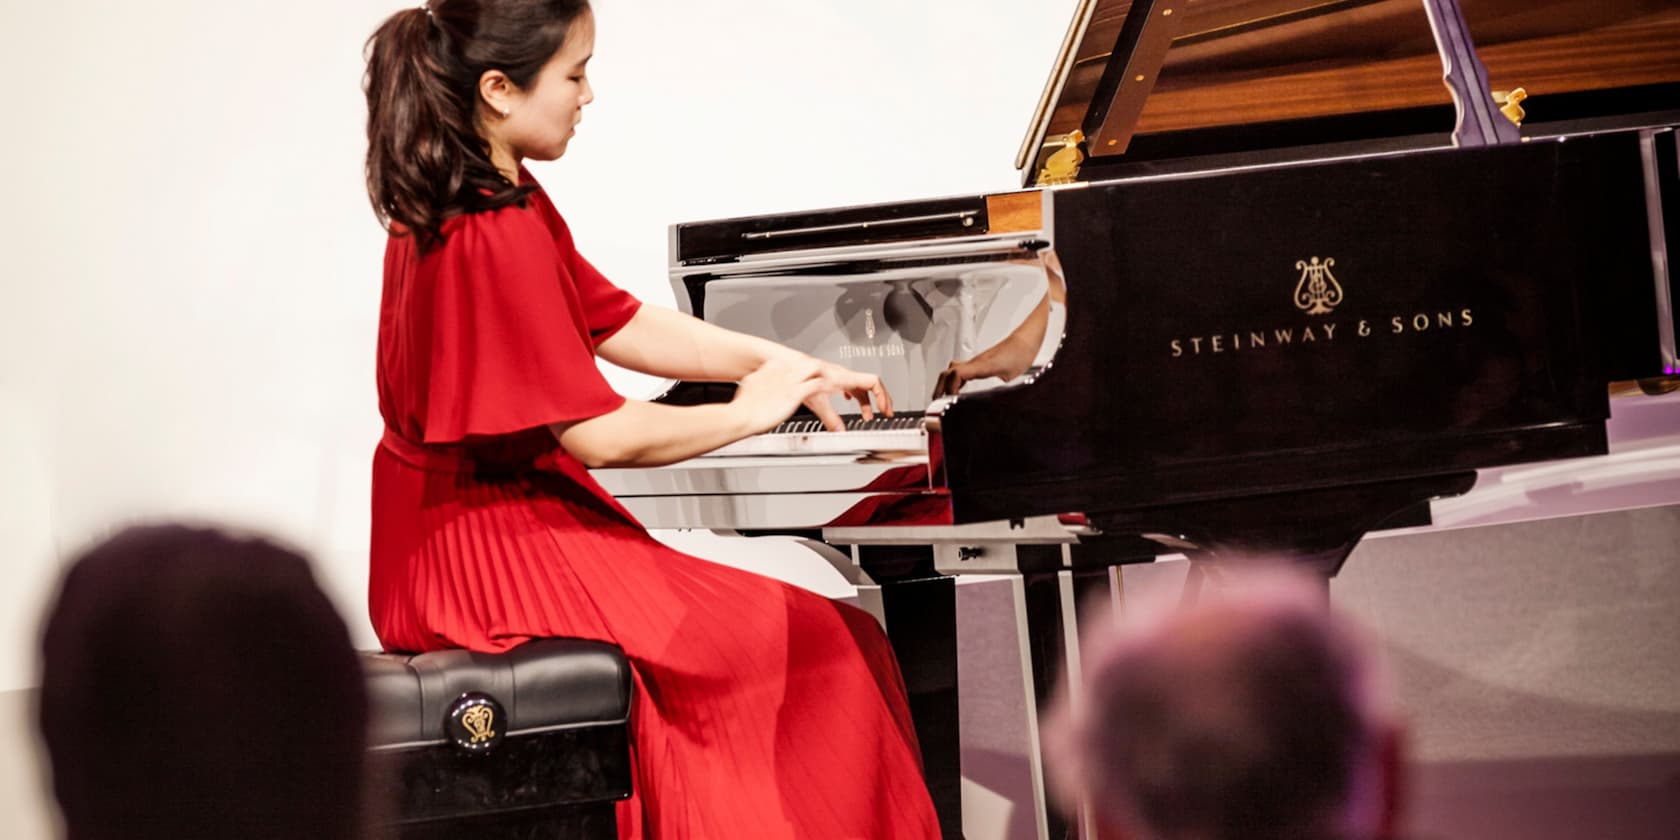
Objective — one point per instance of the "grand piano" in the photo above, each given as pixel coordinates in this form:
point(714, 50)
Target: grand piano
point(1269, 286)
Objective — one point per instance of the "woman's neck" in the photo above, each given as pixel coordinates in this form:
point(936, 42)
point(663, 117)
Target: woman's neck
point(505, 161)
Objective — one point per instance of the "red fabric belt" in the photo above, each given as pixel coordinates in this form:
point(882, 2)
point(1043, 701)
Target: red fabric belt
point(533, 450)
point(433, 458)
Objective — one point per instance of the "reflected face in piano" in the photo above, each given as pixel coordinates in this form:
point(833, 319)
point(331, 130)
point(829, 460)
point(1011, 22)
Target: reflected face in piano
point(543, 117)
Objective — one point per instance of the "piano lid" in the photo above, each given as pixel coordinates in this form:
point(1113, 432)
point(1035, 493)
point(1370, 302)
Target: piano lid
point(1159, 79)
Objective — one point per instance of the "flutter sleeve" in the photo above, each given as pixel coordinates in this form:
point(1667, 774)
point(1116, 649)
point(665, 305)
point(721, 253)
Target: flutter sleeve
point(606, 307)
point(511, 336)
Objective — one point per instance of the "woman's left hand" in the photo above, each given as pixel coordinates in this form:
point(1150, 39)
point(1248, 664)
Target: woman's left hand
point(864, 388)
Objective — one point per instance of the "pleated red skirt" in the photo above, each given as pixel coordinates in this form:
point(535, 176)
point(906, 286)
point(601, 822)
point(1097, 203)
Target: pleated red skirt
point(760, 710)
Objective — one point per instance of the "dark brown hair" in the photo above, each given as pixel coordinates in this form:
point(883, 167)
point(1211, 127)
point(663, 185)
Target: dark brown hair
point(426, 160)
point(196, 684)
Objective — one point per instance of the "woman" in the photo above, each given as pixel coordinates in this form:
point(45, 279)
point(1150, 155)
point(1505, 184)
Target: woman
point(760, 710)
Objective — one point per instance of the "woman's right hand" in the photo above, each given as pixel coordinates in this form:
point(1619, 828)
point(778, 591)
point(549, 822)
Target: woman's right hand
point(771, 394)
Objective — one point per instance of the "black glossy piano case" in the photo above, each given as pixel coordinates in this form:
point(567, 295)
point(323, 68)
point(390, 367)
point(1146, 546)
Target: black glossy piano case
point(1234, 333)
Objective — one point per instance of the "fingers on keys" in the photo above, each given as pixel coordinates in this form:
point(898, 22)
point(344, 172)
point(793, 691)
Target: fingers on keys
point(818, 403)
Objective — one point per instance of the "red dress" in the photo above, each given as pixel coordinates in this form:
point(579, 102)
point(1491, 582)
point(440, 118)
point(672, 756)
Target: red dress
point(759, 710)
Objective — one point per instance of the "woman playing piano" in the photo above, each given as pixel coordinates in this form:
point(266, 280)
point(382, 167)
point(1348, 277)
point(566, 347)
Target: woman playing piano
point(759, 709)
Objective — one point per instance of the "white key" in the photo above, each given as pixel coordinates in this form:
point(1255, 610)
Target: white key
point(825, 443)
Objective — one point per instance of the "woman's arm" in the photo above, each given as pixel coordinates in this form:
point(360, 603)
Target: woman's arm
point(665, 342)
point(644, 434)
point(668, 343)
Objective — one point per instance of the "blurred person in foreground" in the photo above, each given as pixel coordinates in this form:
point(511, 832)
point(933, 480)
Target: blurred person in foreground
point(1256, 713)
point(198, 685)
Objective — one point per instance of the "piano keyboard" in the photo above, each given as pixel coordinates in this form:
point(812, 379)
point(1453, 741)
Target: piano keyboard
point(806, 436)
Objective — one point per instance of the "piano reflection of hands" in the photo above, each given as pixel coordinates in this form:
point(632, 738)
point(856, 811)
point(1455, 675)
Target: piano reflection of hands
point(1017, 351)
point(1005, 360)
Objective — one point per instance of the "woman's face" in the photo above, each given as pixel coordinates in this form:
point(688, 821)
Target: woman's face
point(543, 117)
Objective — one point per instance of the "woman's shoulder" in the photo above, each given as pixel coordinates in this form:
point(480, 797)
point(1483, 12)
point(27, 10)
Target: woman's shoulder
point(486, 243)
point(544, 208)
point(528, 223)
point(518, 225)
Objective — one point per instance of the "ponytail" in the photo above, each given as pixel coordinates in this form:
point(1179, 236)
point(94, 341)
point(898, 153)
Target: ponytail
point(426, 160)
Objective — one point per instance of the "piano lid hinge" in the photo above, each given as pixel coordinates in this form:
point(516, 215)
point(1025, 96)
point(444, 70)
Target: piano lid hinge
point(1060, 157)
point(1510, 104)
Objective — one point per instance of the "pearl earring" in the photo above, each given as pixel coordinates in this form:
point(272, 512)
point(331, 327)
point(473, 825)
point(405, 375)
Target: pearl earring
point(507, 112)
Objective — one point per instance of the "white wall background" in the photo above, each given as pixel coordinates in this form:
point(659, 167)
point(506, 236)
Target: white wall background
point(189, 279)
point(189, 271)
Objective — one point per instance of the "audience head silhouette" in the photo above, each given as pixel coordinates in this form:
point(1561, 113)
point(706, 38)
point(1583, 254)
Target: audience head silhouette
point(1255, 713)
point(199, 685)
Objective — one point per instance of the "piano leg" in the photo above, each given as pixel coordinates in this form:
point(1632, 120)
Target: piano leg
point(920, 607)
point(1064, 590)
point(1044, 608)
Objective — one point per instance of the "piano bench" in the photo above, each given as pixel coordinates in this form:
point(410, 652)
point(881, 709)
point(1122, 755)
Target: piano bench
point(531, 743)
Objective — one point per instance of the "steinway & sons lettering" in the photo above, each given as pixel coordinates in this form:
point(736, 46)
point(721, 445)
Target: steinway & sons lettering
point(871, 351)
point(1242, 341)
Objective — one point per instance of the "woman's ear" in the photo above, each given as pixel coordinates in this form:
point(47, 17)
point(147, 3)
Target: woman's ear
point(497, 92)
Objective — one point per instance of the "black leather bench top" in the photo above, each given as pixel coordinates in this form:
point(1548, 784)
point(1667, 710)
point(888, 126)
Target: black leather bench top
point(545, 684)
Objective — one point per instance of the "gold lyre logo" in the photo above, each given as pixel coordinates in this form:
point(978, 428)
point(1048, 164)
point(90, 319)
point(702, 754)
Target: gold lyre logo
point(869, 324)
point(479, 721)
point(1317, 292)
